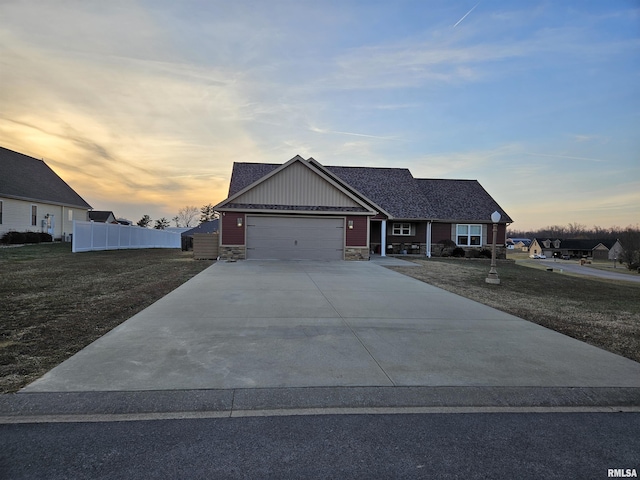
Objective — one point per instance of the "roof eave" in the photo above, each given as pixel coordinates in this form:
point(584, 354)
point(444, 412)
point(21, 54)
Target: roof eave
point(50, 202)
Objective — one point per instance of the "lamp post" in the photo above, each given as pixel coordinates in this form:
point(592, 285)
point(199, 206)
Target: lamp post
point(493, 273)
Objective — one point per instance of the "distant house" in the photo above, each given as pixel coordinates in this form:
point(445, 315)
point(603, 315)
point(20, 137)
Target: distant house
point(34, 198)
point(304, 210)
point(521, 244)
point(576, 248)
point(102, 216)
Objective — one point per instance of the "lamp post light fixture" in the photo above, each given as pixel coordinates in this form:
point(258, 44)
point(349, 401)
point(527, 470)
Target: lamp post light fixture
point(493, 273)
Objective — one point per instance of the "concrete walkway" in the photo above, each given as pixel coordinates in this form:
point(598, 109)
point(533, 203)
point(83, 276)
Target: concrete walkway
point(267, 325)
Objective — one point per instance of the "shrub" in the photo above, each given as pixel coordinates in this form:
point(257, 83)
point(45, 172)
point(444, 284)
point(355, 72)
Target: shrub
point(15, 238)
point(485, 253)
point(458, 252)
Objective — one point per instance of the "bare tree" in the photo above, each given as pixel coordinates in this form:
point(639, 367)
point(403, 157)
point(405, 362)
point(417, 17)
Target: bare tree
point(186, 216)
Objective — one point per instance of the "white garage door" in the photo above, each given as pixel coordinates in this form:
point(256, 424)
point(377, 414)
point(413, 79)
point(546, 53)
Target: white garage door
point(292, 238)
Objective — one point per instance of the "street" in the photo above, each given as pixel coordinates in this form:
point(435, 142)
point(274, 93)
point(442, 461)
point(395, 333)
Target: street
point(472, 445)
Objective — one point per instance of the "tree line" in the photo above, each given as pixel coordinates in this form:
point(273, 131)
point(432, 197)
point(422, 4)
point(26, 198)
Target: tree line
point(187, 217)
point(575, 231)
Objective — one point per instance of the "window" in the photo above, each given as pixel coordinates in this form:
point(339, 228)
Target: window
point(470, 235)
point(0, 212)
point(402, 229)
point(70, 215)
point(34, 215)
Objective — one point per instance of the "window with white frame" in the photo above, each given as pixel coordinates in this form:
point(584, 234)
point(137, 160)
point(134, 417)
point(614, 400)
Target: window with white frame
point(469, 235)
point(70, 214)
point(34, 215)
point(401, 229)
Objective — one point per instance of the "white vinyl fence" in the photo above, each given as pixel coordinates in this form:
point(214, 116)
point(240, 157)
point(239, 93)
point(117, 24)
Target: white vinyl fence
point(89, 236)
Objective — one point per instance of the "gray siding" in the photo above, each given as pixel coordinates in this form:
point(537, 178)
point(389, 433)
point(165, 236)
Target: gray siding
point(296, 185)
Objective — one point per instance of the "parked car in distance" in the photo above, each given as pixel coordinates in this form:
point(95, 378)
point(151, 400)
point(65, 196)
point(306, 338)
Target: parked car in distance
point(566, 257)
point(537, 256)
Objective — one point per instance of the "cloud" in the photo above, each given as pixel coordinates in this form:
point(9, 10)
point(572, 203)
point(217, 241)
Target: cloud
point(565, 157)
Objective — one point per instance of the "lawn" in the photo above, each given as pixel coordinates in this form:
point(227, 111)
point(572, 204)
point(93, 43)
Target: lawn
point(603, 313)
point(53, 302)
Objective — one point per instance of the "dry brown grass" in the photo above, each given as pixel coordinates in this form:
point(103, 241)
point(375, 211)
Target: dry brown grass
point(53, 302)
point(603, 313)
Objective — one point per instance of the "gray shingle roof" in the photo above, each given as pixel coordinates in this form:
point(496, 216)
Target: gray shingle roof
point(27, 178)
point(244, 174)
point(205, 227)
point(394, 189)
point(459, 200)
point(397, 192)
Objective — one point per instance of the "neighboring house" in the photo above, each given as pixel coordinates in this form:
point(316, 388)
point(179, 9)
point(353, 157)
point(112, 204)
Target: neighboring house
point(34, 198)
point(576, 248)
point(304, 210)
point(102, 216)
point(205, 227)
point(522, 245)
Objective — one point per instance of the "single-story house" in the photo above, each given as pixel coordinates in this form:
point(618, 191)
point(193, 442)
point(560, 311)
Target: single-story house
point(34, 198)
point(102, 216)
point(304, 210)
point(520, 244)
point(577, 248)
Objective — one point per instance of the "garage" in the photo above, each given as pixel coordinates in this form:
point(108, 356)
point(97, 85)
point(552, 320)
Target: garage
point(294, 238)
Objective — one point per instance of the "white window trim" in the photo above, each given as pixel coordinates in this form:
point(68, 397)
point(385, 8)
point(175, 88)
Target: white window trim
point(401, 227)
point(33, 221)
point(469, 235)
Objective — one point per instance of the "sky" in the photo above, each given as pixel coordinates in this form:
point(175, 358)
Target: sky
point(143, 106)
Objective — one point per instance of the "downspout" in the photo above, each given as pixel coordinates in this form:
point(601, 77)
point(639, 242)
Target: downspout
point(429, 239)
point(383, 238)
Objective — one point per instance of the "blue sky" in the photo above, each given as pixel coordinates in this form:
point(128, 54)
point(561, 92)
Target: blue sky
point(143, 107)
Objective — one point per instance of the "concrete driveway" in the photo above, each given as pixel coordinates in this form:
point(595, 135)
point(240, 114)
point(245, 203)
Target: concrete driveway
point(261, 324)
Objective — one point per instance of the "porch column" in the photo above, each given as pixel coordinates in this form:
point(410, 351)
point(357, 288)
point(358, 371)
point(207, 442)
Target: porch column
point(383, 238)
point(428, 239)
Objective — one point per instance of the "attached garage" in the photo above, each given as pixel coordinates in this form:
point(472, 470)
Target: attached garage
point(294, 238)
point(295, 211)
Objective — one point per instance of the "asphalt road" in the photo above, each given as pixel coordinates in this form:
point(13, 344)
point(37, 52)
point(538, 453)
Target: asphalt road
point(476, 445)
point(571, 266)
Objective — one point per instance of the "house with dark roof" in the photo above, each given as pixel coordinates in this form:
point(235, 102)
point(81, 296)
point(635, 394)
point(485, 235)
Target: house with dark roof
point(102, 216)
point(304, 210)
point(34, 198)
point(598, 249)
